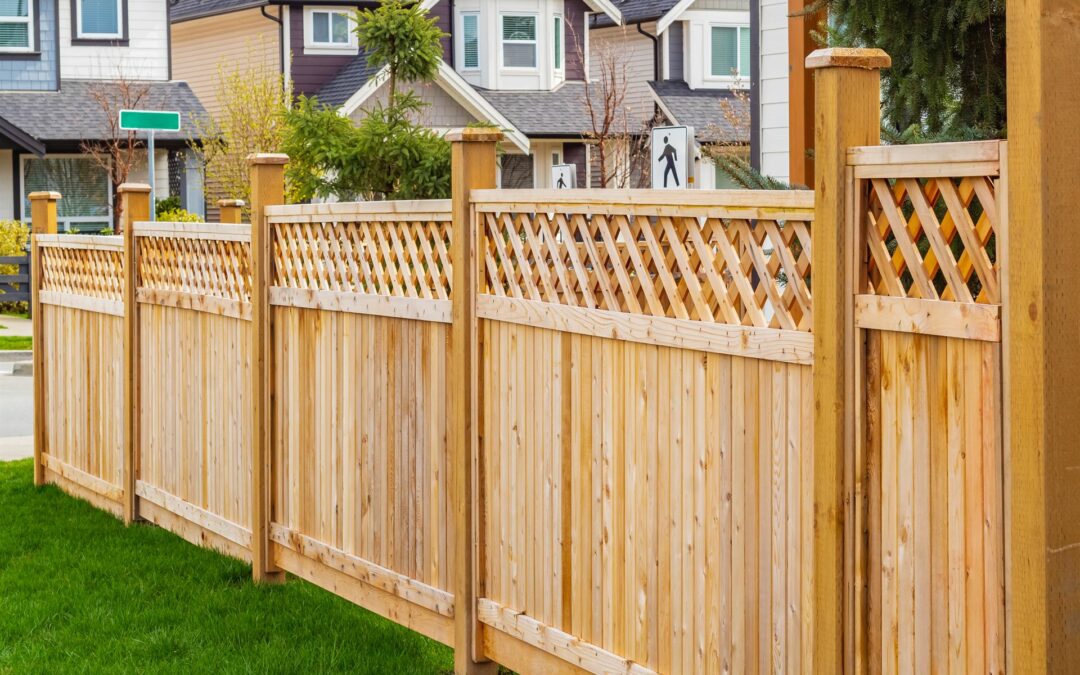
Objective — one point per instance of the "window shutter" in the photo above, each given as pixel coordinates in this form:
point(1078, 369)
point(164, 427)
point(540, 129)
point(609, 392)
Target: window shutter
point(725, 51)
point(100, 17)
point(471, 38)
point(746, 66)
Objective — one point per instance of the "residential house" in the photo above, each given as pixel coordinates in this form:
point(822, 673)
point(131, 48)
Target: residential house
point(518, 64)
point(309, 43)
point(64, 68)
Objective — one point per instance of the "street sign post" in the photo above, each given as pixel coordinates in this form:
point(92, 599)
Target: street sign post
point(150, 121)
point(672, 158)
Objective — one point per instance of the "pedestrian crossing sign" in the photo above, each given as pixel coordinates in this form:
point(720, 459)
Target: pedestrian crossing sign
point(672, 158)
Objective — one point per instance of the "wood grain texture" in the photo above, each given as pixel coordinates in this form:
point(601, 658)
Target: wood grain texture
point(670, 456)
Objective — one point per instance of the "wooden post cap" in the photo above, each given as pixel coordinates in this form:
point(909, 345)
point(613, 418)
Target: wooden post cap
point(226, 203)
point(847, 57)
point(475, 135)
point(267, 158)
point(133, 188)
point(54, 196)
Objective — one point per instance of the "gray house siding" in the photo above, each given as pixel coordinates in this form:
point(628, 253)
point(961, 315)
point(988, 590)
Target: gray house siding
point(675, 51)
point(34, 72)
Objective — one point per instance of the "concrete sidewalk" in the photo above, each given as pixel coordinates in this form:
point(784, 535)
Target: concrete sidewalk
point(15, 326)
point(16, 447)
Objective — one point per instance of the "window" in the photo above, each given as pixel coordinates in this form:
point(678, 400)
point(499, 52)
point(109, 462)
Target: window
point(730, 52)
point(329, 29)
point(470, 38)
point(99, 19)
point(558, 28)
point(16, 25)
point(86, 206)
point(519, 41)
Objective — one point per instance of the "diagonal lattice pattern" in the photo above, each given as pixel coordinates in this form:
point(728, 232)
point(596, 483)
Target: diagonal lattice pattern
point(719, 270)
point(200, 266)
point(92, 272)
point(932, 239)
point(409, 259)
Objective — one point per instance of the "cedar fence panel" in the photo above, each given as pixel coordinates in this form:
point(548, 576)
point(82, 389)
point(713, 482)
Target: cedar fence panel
point(193, 468)
point(932, 225)
point(360, 296)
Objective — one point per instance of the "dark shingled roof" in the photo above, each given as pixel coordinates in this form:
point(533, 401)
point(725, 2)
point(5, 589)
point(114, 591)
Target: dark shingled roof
point(544, 113)
point(703, 109)
point(73, 114)
point(185, 10)
point(634, 11)
point(348, 81)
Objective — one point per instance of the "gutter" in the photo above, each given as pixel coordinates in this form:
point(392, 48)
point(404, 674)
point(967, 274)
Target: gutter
point(23, 139)
point(657, 61)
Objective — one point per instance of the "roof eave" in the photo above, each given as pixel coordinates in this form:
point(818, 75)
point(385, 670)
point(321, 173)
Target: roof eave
point(21, 138)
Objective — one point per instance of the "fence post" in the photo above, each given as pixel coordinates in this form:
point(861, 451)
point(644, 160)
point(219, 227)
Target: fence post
point(848, 113)
point(230, 210)
point(473, 168)
point(267, 189)
point(135, 207)
point(1042, 312)
point(42, 221)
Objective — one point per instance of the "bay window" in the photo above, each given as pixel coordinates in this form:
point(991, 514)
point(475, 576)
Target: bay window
point(519, 41)
point(16, 25)
point(559, 39)
point(470, 41)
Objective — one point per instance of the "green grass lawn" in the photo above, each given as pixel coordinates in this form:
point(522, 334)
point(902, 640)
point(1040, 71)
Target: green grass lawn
point(79, 592)
point(15, 342)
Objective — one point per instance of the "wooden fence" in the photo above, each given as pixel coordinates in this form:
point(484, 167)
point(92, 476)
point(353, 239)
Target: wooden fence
point(570, 430)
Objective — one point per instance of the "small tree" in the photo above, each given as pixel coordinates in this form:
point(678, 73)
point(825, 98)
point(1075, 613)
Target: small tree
point(403, 38)
point(253, 98)
point(120, 151)
point(388, 155)
point(622, 146)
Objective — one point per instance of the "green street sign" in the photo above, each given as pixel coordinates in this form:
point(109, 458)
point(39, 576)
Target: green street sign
point(149, 120)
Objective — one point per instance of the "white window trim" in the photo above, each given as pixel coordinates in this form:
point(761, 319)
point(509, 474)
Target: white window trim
point(25, 217)
point(555, 56)
point(83, 35)
point(328, 48)
point(459, 45)
point(30, 32)
point(535, 43)
point(742, 79)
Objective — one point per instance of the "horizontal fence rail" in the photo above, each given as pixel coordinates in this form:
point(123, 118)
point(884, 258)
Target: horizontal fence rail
point(15, 285)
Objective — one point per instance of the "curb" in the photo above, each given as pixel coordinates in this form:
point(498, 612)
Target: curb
point(7, 356)
point(23, 368)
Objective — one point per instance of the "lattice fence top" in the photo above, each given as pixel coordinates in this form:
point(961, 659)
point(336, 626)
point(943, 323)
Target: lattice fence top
point(931, 226)
point(399, 249)
point(199, 259)
point(740, 258)
point(92, 266)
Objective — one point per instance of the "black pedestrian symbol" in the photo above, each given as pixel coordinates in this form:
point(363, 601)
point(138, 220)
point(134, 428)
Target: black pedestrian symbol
point(670, 155)
point(562, 182)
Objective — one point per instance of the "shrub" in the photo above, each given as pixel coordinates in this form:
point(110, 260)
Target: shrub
point(14, 237)
point(178, 216)
point(166, 205)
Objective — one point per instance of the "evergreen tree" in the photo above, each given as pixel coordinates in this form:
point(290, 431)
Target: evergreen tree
point(947, 80)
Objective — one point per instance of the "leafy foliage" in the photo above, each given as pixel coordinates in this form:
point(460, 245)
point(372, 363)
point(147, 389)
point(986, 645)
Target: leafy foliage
point(14, 237)
point(404, 37)
point(252, 98)
point(948, 62)
point(386, 157)
point(178, 216)
point(170, 203)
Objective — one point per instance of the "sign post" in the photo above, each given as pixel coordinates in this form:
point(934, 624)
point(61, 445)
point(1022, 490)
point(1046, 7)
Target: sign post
point(672, 158)
point(150, 121)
